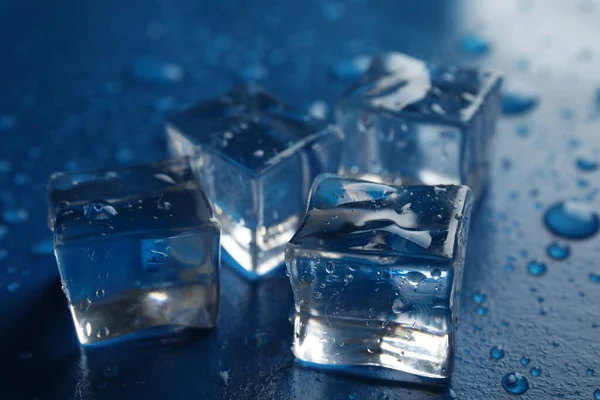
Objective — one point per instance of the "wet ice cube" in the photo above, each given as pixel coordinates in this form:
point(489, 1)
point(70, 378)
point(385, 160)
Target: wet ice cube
point(376, 271)
point(137, 250)
point(424, 123)
point(256, 157)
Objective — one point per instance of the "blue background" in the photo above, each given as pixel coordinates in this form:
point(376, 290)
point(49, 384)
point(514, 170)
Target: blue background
point(75, 92)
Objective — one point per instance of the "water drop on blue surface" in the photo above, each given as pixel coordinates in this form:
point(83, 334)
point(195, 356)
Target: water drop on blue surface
point(85, 304)
point(572, 219)
point(13, 286)
point(474, 45)
point(256, 340)
point(15, 216)
point(497, 353)
point(558, 251)
point(482, 311)
point(515, 383)
point(43, 247)
point(536, 268)
point(479, 298)
point(155, 71)
point(597, 394)
point(536, 371)
point(100, 293)
point(348, 70)
point(589, 371)
point(594, 278)
point(525, 361)
point(332, 11)
point(99, 210)
point(352, 397)
point(383, 396)
point(518, 101)
point(587, 165)
point(7, 122)
point(110, 371)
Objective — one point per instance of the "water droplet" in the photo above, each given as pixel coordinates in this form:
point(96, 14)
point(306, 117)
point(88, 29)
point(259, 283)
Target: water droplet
point(415, 277)
point(479, 298)
point(85, 304)
point(536, 268)
point(318, 109)
point(15, 216)
point(43, 247)
point(253, 72)
point(594, 278)
point(226, 376)
point(102, 332)
point(515, 383)
point(317, 295)
point(525, 361)
point(164, 205)
point(558, 251)
point(13, 286)
point(330, 267)
point(474, 45)
point(259, 153)
point(100, 293)
point(436, 273)
point(587, 165)
point(518, 98)
point(88, 329)
point(589, 371)
point(535, 371)
point(571, 219)
point(383, 396)
point(352, 397)
point(398, 306)
point(348, 278)
point(497, 353)
point(482, 311)
point(352, 69)
point(597, 394)
point(99, 210)
point(256, 340)
point(3, 232)
point(155, 71)
point(110, 371)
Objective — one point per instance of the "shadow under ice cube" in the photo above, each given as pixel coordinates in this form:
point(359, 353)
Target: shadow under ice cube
point(411, 122)
point(376, 272)
point(137, 250)
point(256, 157)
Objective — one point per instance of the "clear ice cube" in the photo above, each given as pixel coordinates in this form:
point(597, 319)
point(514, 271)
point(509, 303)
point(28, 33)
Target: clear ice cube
point(421, 123)
point(137, 250)
point(376, 272)
point(257, 158)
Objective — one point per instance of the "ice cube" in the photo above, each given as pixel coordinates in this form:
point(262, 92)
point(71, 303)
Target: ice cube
point(137, 250)
point(376, 271)
point(256, 157)
point(421, 122)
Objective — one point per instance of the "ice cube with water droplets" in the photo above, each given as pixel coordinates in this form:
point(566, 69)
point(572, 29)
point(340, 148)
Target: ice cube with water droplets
point(137, 250)
point(413, 122)
point(376, 271)
point(257, 158)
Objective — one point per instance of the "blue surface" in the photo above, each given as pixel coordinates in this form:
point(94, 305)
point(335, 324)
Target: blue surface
point(77, 93)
